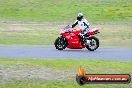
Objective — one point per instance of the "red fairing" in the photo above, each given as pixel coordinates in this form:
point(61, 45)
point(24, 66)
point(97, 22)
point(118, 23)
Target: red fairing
point(71, 35)
point(73, 39)
point(93, 31)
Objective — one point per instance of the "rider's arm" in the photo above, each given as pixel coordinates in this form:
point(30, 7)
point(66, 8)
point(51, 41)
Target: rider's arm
point(76, 22)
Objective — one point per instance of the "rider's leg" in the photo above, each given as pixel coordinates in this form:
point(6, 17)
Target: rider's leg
point(83, 34)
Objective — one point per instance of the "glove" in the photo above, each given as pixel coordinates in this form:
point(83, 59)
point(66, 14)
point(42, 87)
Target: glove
point(70, 26)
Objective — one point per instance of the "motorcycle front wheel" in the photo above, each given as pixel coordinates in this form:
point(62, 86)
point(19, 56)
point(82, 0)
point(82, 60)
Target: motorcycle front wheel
point(60, 43)
point(94, 43)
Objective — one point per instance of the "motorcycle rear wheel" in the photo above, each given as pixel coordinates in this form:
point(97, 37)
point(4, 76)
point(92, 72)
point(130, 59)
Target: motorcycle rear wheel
point(60, 43)
point(94, 43)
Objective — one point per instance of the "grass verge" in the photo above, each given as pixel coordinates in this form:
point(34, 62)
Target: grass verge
point(65, 10)
point(118, 34)
point(91, 66)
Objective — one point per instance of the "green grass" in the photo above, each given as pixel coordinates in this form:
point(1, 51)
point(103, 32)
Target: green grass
point(58, 84)
point(91, 66)
point(34, 35)
point(66, 10)
point(111, 35)
point(96, 11)
point(73, 64)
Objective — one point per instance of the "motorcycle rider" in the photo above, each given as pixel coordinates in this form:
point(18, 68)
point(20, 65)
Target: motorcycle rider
point(84, 25)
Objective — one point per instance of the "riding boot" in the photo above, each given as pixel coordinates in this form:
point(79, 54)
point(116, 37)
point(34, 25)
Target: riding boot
point(82, 39)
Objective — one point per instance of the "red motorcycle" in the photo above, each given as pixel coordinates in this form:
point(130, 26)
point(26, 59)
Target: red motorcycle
point(69, 37)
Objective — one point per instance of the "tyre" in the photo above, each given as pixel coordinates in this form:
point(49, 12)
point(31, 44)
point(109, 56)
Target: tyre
point(94, 43)
point(60, 43)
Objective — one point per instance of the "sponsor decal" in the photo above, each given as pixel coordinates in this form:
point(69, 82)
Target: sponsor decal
point(83, 78)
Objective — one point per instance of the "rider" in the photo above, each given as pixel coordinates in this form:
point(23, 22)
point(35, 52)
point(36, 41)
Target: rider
point(83, 24)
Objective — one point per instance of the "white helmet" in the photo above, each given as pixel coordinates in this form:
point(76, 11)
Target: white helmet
point(80, 16)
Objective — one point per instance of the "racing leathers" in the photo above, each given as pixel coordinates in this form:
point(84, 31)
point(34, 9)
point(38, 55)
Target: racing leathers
point(84, 25)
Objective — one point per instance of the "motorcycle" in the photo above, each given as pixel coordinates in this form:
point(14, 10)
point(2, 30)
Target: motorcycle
point(69, 38)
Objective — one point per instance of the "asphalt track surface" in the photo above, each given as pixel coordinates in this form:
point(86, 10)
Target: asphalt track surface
point(49, 52)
